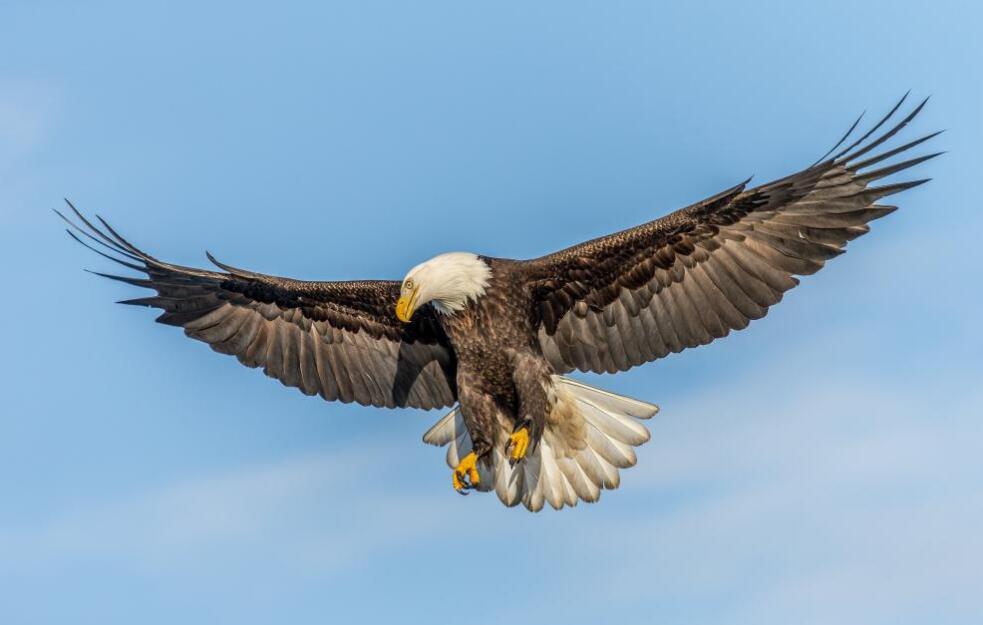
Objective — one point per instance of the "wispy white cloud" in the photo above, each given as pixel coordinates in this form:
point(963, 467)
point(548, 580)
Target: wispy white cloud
point(853, 506)
point(27, 111)
point(851, 501)
point(288, 507)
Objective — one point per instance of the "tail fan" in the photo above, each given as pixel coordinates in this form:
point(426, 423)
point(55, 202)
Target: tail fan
point(591, 433)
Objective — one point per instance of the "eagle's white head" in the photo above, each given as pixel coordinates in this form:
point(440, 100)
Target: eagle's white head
point(448, 281)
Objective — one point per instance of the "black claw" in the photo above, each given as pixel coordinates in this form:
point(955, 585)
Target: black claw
point(466, 488)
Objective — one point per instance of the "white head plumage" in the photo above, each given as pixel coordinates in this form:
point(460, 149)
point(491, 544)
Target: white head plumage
point(448, 281)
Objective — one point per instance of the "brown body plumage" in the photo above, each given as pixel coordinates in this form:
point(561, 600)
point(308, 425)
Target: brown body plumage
point(501, 372)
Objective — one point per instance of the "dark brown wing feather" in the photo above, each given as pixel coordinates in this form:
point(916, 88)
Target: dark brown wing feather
point(698, 273)
point(340, 340)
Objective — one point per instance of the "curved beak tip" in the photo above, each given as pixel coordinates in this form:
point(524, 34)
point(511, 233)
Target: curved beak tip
point(403, 312)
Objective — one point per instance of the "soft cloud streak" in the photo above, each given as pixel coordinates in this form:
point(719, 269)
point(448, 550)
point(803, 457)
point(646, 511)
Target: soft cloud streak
point(826, 506)
point(812, 519)
point(27, 110)
point(291, 506)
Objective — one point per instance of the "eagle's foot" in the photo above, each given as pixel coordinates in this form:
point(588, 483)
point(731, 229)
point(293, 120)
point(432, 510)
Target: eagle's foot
point(518, 445)
point(465, 476)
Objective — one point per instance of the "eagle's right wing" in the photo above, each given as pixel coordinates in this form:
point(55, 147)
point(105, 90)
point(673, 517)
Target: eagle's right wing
point(698, 273)
point(340, 340)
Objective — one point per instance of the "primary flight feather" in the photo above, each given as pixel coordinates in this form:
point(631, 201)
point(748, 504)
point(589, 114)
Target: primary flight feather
point(492, 336)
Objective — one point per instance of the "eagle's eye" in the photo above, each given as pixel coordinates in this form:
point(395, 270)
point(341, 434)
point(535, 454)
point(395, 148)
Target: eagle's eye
point(408, 284)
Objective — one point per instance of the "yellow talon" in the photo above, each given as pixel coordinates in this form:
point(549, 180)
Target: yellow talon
point(519, 443)
point(465, 475)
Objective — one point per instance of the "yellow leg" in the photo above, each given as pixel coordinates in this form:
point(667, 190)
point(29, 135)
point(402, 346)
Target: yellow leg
point(465, 475)
point(518, 444)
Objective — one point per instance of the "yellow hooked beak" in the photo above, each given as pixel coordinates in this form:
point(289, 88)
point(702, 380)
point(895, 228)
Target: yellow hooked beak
point(405, 306)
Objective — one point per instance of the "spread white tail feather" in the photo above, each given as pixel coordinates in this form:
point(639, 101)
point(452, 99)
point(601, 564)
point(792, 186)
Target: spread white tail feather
point(591, 434)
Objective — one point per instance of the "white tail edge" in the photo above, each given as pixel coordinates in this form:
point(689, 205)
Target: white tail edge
point(590, 434)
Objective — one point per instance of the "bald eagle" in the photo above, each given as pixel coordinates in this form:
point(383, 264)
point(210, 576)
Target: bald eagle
point(494, 337)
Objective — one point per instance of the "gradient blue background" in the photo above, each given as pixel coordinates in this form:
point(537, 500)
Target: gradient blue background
point(823, 466)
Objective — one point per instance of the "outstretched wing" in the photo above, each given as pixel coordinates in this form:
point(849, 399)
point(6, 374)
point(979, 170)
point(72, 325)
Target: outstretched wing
point(340, 340)
point(696, 274)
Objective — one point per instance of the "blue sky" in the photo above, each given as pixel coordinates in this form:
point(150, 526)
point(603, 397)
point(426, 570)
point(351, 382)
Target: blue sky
point(821, 466)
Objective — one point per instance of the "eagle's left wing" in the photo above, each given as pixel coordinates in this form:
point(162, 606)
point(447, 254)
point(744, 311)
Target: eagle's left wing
point(698, 273)
point(340, 340)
